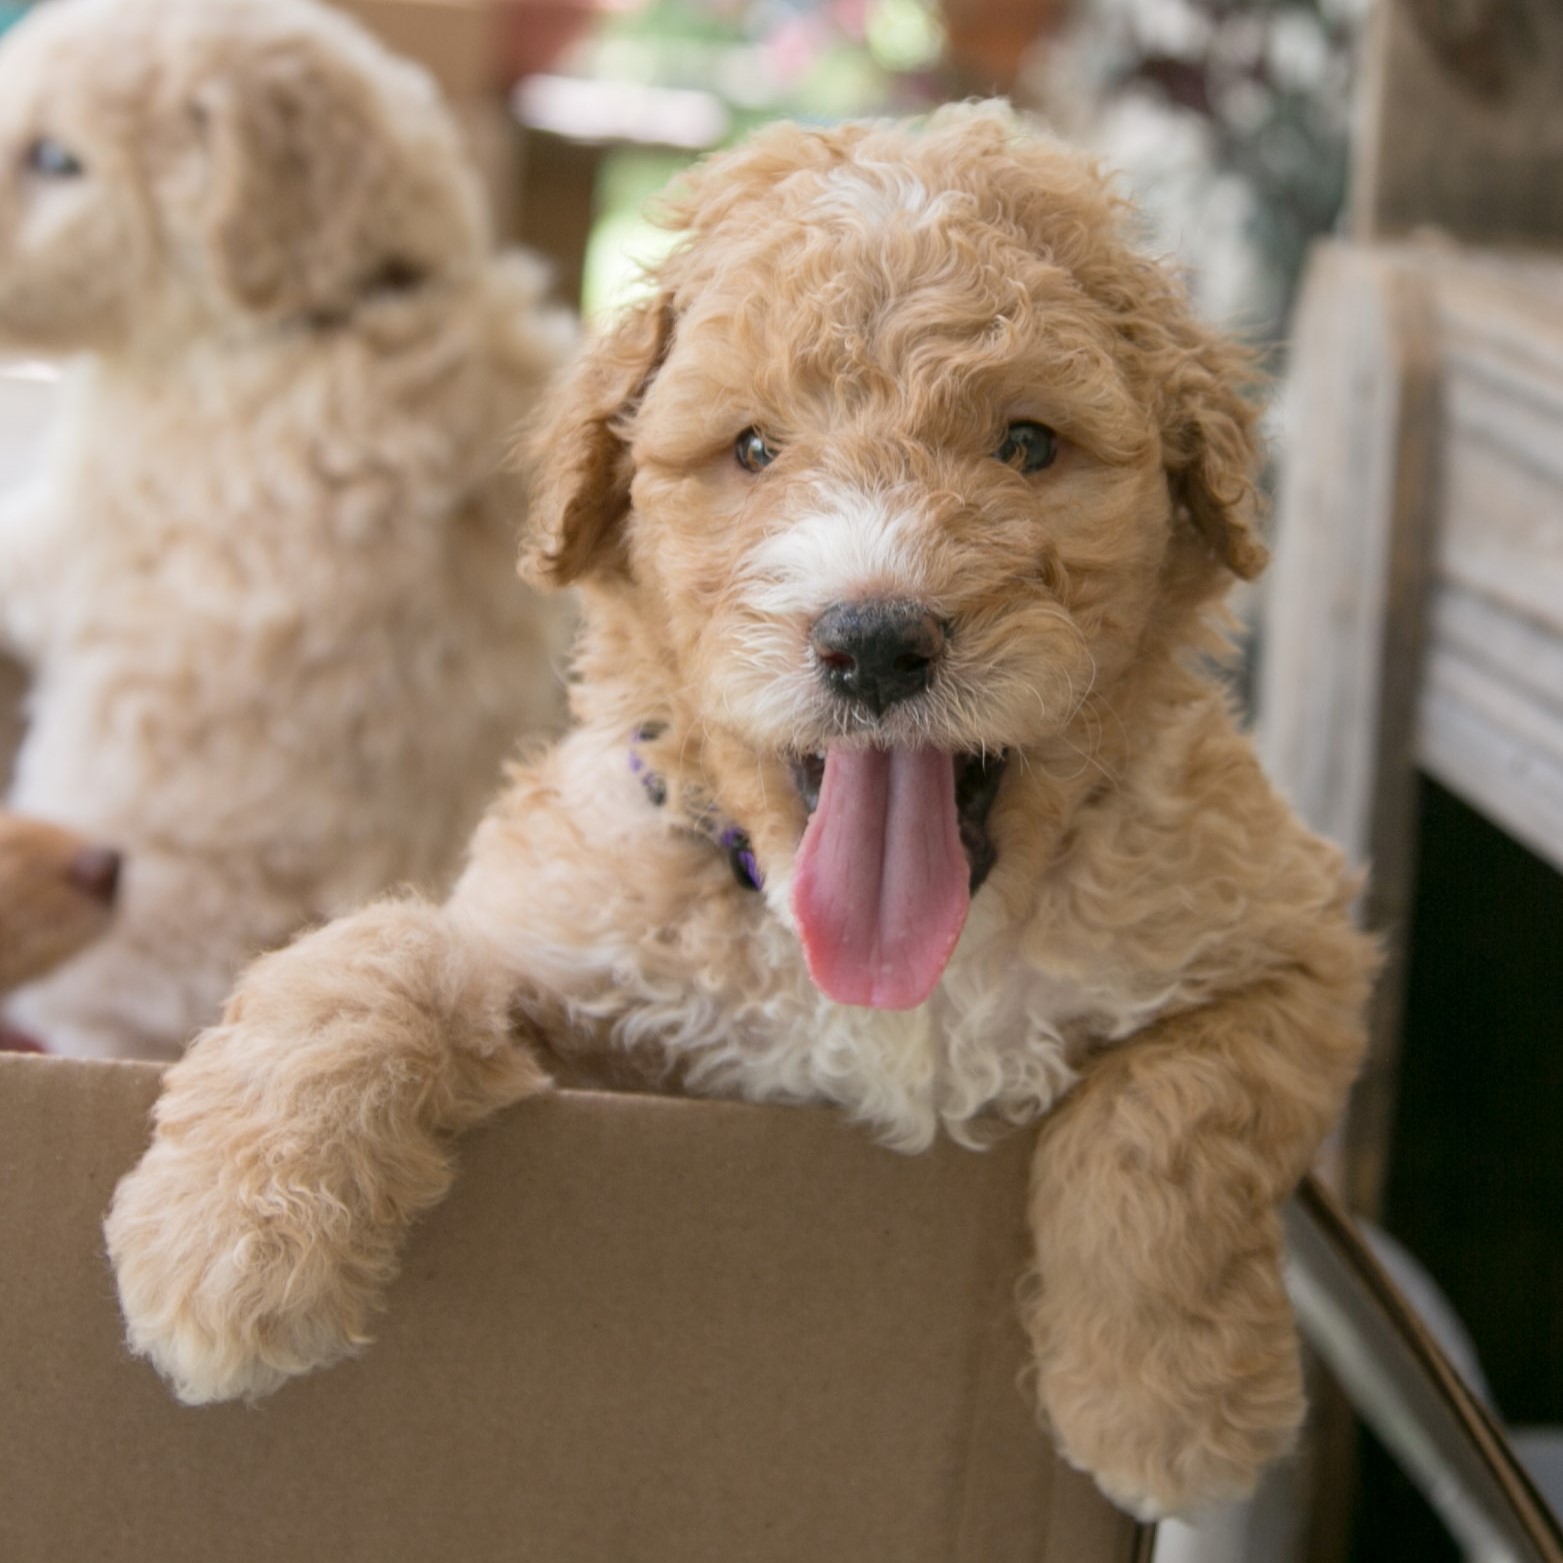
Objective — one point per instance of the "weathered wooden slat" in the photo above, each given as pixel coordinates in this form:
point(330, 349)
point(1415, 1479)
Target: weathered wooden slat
point(1492, 524)
point(1504, 704)
point(1416, 616)
point(1483, 738)
point(1501, 528)
point(1344, 554)
point(1527, 654)
point(1343, 627)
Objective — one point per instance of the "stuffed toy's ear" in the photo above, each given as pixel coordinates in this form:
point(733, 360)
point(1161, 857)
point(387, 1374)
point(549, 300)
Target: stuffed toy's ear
point(1213, 451)
point(323, 186)
point(579, 456)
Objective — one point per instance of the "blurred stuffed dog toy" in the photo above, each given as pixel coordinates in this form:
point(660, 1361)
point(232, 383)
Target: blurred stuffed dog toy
point(266, 589)
point(903, 510)
point(57, 895)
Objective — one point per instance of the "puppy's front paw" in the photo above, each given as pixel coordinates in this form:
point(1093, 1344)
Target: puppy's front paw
point(1180, 1420)
point(257, 1237)
point(297, 1141)
point(233, 1276)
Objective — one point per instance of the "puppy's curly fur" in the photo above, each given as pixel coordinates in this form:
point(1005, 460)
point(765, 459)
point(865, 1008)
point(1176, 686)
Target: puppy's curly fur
point(265, 588)
point(1161, 959)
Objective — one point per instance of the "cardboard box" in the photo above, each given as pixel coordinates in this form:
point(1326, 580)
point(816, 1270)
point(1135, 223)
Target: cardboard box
point(641, 1330)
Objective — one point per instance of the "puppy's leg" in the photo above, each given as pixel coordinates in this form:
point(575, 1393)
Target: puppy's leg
point(297, 1140)
point(1165, 1345)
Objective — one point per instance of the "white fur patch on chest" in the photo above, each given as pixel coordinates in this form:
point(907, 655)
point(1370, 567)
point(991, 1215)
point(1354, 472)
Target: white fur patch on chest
point(994, 1042)
point(671, 957)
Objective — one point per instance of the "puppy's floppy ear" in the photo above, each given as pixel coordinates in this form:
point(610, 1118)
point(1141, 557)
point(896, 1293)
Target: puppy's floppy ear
point(311, 197)
point(1212, 448)
point(1199, 382)
point(579, 455)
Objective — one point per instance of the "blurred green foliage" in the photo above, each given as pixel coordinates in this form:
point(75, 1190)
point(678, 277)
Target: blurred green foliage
point(814, 60)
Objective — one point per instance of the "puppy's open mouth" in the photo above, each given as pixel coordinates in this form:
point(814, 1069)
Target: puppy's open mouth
point(897, 843)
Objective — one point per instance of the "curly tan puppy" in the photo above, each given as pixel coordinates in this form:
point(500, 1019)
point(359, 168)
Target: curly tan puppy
point(903, 511)
point(265, 590)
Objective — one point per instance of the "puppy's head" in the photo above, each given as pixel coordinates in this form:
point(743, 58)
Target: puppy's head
point(905, 474)
point(167, 165)
point(57, 895)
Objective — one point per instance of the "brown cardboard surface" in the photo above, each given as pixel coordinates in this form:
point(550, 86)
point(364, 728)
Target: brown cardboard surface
point(641, 1330)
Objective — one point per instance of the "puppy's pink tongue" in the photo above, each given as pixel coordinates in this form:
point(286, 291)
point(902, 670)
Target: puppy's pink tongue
point(881, 887)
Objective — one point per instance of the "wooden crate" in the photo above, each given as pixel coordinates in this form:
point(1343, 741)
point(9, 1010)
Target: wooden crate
point(1416, 615)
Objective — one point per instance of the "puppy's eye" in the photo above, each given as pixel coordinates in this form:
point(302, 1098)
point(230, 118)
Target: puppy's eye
point(1028, 447)
point(752, 452)
point(51, 159)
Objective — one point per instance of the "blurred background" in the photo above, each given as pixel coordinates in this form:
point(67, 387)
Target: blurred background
point(1229, 119)
point(1372, 193)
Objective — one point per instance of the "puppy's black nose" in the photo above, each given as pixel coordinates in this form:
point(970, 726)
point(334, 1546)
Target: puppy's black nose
point(877, 653)
point(95, 870)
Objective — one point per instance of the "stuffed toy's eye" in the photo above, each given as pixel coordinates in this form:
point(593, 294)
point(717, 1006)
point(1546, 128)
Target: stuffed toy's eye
point(52, 159)
point(1028, 447)
point(752, 452)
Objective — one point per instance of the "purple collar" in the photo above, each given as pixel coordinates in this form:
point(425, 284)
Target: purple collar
point(704, 821)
